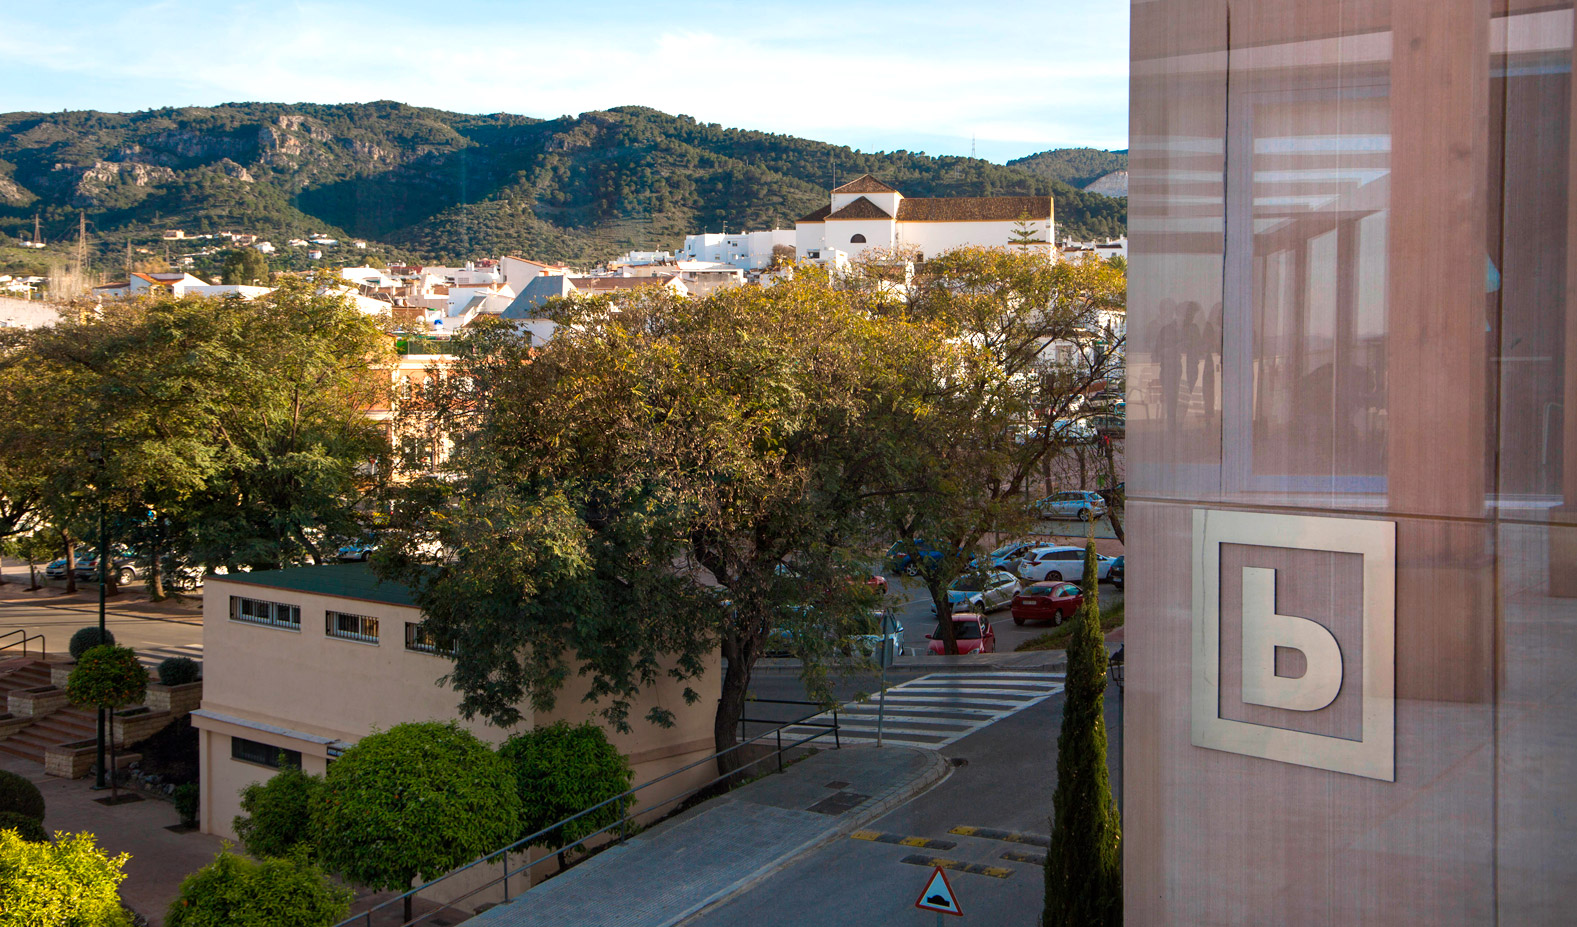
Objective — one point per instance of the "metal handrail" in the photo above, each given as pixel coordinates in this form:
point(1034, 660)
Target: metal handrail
point(43, 648)
point(502, 855)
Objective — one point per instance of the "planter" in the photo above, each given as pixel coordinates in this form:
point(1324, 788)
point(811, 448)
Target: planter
point(36, 703)
point(179, 700)
point(135, 724)
point(60, 672)
point(10, 724)
point(75, 759)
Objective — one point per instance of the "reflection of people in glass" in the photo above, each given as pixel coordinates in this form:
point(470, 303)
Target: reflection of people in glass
point(1210, 353)
point(1191, 348)
point(1169, 355)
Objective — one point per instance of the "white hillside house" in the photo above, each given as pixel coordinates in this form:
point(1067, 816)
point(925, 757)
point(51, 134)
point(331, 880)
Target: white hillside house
point(866, 213)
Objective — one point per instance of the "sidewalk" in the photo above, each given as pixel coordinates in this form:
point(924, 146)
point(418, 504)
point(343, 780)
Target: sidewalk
point(160, 858)
point(721, 848)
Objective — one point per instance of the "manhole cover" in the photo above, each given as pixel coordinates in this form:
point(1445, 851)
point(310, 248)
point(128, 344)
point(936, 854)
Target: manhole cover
point(837, 784)
point(838, 803)
point(959, 761)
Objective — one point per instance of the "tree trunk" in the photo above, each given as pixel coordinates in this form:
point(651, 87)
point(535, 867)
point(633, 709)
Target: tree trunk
point(408, 899)
point(110, 736)
point(71, 562)
point(731, 706)
point(32, 574)
point(156, 573)
point(944, 618)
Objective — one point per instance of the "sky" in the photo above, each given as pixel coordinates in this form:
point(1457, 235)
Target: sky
point(1010, 78)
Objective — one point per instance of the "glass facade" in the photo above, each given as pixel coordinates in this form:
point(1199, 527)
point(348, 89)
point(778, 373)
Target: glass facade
point(1349, 296)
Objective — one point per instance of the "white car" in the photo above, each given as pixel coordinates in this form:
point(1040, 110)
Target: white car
point(981, 592)
point(1079, 504)
point(1054, 563)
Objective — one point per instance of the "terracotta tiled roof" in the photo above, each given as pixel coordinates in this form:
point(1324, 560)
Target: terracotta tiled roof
point(818, 215)
point(865, 183)
point(863, 208)
point(974, 208)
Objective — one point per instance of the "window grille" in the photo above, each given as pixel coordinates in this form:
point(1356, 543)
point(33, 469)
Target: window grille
point(271, 614)
point(351, 627)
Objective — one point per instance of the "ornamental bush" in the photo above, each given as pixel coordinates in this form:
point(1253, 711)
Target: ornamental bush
point(414, 801)
point(178, 671)
point(276, 814)
point(70, 882)
point(86, 639)
point(562, 770)
point(188, 802)
point(236, 892)
point(28, 828)
point(19, 796)
point(107, 676)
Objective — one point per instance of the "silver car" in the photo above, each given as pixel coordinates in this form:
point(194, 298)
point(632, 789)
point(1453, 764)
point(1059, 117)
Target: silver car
point(981, 592)
point(1080, 504)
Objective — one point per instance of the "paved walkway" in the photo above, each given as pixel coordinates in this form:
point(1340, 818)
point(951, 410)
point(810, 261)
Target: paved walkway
point(160, 859)
point(728, 844)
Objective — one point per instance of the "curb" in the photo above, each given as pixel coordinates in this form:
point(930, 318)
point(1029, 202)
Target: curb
point(935, 772)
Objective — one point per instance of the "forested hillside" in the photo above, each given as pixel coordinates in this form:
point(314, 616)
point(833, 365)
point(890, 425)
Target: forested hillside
point(1076, 166)
point(438, 185)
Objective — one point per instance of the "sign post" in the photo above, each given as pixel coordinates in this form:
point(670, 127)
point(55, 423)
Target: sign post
point(886, 655)
point(938, 896)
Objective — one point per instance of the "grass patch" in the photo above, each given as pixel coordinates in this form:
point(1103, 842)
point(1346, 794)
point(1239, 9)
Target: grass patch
point(1057, 638)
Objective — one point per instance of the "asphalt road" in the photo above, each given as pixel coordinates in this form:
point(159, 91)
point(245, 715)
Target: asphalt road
point(162, 631)
point(1006, 783)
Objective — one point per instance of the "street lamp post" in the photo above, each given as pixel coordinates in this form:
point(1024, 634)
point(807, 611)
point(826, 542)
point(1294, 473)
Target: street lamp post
point(1114, 669)
point(97, 456)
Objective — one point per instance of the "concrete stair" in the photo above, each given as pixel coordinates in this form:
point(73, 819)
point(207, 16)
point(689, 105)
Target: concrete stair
point(58, 727)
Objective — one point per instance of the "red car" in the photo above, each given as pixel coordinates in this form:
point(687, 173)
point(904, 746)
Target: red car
point(1051, 602)
point(972, 631)
point(877, 582)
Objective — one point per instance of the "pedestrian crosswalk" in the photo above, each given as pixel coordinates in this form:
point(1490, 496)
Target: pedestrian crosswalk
point(940, 708)
point(151, 656)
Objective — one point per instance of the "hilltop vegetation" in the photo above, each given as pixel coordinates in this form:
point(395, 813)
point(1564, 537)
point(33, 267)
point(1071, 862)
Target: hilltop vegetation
point(1076, 166)
point(438, 185)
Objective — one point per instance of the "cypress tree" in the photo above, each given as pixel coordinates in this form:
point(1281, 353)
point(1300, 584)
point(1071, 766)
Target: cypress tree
point(1084, 862)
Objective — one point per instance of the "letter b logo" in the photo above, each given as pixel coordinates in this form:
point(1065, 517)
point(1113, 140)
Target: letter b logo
point(1293, 639)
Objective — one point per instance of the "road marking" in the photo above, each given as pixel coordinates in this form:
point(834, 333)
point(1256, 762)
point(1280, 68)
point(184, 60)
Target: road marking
point(996, 872)
point(1007, 836)
point(939, 709)
point(921, 842)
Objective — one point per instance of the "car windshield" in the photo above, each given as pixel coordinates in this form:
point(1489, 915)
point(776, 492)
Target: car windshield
point(1039, 590)
point(1007, 550)
point(970, 582)
point(962, 630)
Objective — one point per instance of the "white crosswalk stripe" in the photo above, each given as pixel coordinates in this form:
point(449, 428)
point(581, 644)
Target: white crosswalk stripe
point(152, 656)
point(940, 708)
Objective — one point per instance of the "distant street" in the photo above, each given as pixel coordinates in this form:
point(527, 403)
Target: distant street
point(154, 631)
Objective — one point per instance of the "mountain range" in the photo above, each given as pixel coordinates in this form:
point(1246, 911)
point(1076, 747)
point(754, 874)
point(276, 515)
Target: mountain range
point(434, 185)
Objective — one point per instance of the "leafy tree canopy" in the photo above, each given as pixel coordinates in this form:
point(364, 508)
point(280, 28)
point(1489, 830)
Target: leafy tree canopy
point(70, 881)
point(233, 891)
point(108, 676)
point(276, 814)
point(561, 771)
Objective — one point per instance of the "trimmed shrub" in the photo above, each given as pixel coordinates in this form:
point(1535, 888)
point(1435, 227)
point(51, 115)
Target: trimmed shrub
point(87, 638)
point(170, 752)
point(562, 770)
point(70, 882)
point(235, 892)
point(20, 796)
point(276, 814)
point(187, 797)
point(28, 828)
point(178, 671)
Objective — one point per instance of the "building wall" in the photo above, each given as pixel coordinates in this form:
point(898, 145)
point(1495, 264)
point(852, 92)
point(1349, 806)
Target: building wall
point(935, 237)
point(879, 233)
point(301, 690)
point(1315, 333)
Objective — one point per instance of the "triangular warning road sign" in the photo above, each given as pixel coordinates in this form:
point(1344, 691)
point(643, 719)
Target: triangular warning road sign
point(938, 895)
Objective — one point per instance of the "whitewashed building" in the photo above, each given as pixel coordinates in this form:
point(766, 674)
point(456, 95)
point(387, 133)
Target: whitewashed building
point(745, 250)
point(866, 213)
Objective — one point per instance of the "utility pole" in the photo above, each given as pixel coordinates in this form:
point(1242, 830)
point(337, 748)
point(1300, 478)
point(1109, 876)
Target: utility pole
point(82, 244)
point(37, 239)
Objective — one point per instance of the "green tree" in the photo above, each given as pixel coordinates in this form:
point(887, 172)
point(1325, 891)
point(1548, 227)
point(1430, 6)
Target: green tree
point(561, 771)
point(985, 401)
point(276, 816)
point(108, 677)
point(245, 266)
point(28, 828)
point(233, 891)
point(715, 433)
point(18, 795)
point(1084, 861)
point(1024, 233)
point(411, 802)
point(70, 881)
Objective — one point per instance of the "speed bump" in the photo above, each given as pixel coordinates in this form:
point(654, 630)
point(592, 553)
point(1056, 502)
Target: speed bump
point(995, 872)
point(1007, 836)
point(924, 843)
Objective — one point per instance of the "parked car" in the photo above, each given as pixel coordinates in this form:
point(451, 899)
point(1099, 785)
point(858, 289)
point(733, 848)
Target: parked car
point(122, 564)
point(1115, 574)
point(57, 568)
point(357, 550)
point(1057, 563)
point(1080, 504)
point(1110, 495)
point(1053, 602)
point(878, 583)
point(972, 632)
point(981, 592)
point(899, 560)
point(869, 645)
point(1007, 556)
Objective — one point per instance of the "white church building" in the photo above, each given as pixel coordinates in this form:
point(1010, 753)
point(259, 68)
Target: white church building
point(866, 213)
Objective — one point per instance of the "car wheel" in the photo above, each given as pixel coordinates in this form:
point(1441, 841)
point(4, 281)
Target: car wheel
point(911, 570)
point(1117, 581)
point(1056, 618)
point(1054, 577)
point(125, 576)
point(1085, 514)
point(1018, 621)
